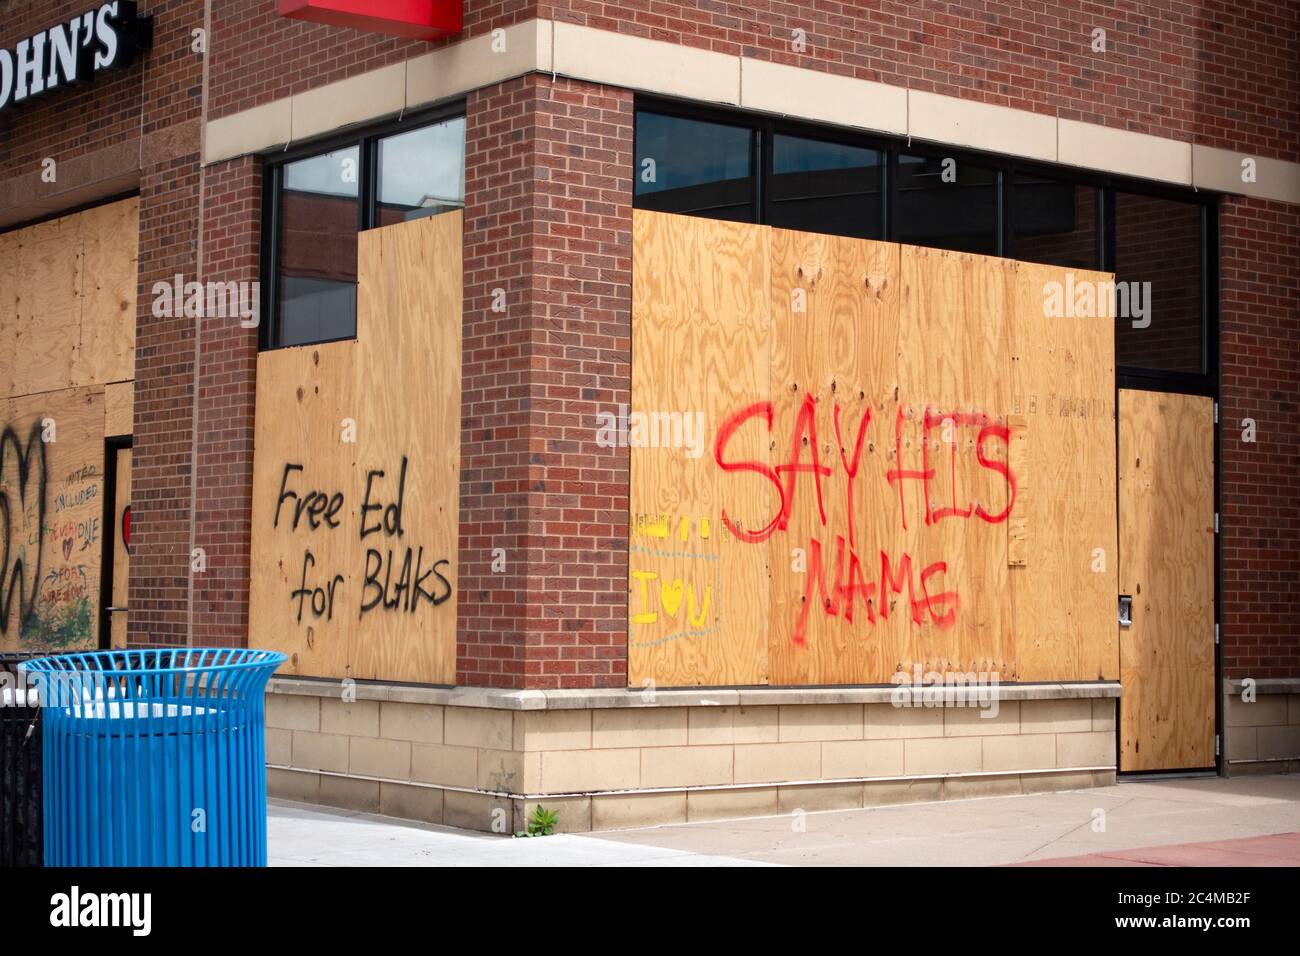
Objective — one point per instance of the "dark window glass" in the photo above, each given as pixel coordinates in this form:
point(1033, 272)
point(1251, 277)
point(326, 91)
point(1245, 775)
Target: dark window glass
point(948, 204)
point(1054, 222)
point(323, 201)
point(694, 167)
point(1158, 269)
point(819, 186)
point(317, 253)
point(421, 173)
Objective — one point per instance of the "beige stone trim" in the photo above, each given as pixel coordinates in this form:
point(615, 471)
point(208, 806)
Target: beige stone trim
point(421, 81)
point(1221, 171)
point(1123, 152)
point(653, 66)
point(538, 700)
point(999, 129)
point(822, 97)
point(478, 62)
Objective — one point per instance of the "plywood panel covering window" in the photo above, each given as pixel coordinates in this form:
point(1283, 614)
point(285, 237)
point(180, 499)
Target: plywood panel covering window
point(67, 333)
point(853, 459)
point(355, 473)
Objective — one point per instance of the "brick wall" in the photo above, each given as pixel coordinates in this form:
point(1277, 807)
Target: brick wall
point(1222, 71)
point(497, 347)
point(583, 366)
point(162, 465)
point(1260, 251)
point(259, 56)
point(227, 389)
point(548, 220)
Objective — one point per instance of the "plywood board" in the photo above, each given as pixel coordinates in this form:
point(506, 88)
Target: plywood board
point(68, 300)
point(696, 594)
point(355, 474)
point(834, 378)
point(1063, 380)
point(51, 485)
point(1166, 489)
point(110, 238)
point(303, 596)
point(945, 368)
point(408, 391)
point(119, 409)
point(49, 277)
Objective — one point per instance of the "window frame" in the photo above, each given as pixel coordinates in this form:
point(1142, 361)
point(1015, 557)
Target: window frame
point(766, 127)
point(367, 141)
point(722, 117)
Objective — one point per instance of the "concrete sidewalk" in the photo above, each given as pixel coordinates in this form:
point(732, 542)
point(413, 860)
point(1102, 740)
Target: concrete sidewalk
point(1108, 822)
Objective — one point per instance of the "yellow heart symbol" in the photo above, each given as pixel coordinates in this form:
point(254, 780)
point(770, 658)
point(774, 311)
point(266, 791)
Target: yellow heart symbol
point(671, 595)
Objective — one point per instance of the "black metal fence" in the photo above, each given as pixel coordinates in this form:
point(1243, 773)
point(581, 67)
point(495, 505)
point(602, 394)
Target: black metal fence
point(20, 768)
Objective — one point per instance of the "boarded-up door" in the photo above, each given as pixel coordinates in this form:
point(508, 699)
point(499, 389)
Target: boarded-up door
point(1166, 565)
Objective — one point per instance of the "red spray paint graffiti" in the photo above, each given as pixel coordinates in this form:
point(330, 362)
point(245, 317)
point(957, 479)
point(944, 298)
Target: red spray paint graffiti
point(854, 581)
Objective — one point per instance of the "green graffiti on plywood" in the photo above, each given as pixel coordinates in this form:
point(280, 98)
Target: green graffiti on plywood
point(59, 626)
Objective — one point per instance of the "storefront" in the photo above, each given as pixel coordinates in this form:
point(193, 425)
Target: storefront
point(664, 418)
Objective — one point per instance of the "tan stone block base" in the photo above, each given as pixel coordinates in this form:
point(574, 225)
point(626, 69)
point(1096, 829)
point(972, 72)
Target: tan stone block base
point(602, 766)
point(506, 814)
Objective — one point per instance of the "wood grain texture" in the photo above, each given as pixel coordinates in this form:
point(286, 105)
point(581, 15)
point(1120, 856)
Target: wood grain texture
point(1166, 543)
point(380, 580)
point(68, 301)
point(51, 484)
point(950, 366)
point(697, 596)
point(119, 409)
point(835, 336)
point(1063, 381)
point(110, 238)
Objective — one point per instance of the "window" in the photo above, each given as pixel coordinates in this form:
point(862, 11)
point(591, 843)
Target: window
point(820, 186)
point(1158, 266)
point(1054, 222)
point(694, 167)
point(948, 203)
point(422, 173)
point(317, 248)
point(1160, 243)
point(318, 203)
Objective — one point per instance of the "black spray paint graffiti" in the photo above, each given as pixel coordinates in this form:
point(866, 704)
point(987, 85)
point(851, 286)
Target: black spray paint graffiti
point(22, 486)
point(319, 510)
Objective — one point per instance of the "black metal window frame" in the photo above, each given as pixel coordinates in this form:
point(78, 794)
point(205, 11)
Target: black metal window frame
point(765, 128)
point(367, 140)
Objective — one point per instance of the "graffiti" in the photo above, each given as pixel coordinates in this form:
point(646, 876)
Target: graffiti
point(395, 575)
point(926, 452)
point(22, 515)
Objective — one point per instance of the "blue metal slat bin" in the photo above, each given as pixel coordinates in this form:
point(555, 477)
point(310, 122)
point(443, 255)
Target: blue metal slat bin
point(154, 757)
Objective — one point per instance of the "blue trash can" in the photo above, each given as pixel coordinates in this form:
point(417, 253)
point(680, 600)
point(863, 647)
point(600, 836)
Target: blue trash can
point(154, 757)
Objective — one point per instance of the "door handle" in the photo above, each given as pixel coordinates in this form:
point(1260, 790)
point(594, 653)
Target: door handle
point(115, 610)
point(1126, 610)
